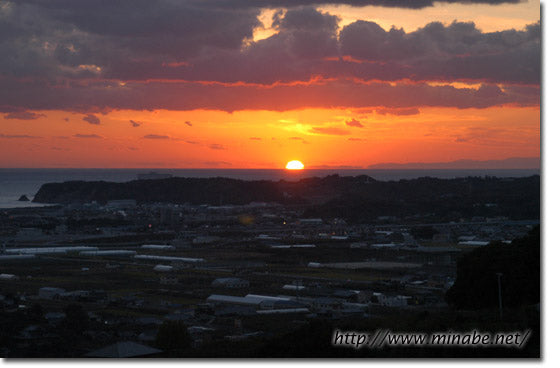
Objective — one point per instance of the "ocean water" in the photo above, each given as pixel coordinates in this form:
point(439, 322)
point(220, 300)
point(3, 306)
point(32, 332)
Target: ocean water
point(16, 182)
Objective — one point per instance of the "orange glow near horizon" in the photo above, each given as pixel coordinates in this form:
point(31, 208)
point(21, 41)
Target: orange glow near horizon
point(262, 139)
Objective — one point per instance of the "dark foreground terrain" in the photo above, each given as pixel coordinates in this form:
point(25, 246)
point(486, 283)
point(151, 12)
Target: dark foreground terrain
point(227, 268)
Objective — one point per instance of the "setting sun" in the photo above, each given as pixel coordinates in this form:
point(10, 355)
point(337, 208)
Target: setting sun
point(294, 165)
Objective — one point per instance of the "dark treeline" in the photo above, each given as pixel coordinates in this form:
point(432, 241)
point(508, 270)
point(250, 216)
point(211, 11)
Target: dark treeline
point(518, 264)
point(356, 199)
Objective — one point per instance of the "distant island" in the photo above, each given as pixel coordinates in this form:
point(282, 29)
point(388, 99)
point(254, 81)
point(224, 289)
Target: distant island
point(509, 163)
point(352, 197)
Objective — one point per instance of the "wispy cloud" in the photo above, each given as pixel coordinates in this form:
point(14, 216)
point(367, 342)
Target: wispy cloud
point(481, 135)
point(398, 111)
point(156, 136)
point(17, 136)
point(218, 163)
point(94, 136)
point(23, 115)
point(91, 119)
point(170, 138)
point(330, 130)
point(298, 139)
point(354, 123)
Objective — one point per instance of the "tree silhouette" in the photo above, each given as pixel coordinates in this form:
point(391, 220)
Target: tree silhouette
point(76, 319)
point(173, 337)
point(476, 286)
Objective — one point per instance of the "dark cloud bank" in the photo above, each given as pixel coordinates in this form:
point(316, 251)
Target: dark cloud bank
point(93, 55)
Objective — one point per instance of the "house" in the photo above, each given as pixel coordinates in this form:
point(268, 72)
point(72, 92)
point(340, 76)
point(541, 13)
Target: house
point(7, 277)
point(30, 332)
point(168, 280)
point(148, 335)
point(326, 304)
point(230, 282)
point(168, 258)
point(55, 317)
point(310, 221)
point(50, 292)
point(283, 311)
point(109, 253)
point(293, 287)
point(125, 349)
point(345, 294)
point(205, 239)
point(163, 268)
point(179, 317)
point(234, 310)
point(75, 295)
point(228, 299)
point(280, 304)
point(147, 321)
point(157, 247)
point(201, 334)
point(393, 301)
point(121, 203)
point(245, 336)
point(363, 296)
point(474, 243)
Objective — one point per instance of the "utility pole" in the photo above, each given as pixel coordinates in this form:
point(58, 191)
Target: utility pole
point(499, 274)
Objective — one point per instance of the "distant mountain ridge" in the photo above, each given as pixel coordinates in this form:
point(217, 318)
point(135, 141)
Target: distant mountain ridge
point(508, 163)
point(356, 198)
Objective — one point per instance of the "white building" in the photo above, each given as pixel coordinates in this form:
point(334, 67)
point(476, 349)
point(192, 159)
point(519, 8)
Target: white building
point(167, 258)
point(229, 299)
point(7, 277)
point(104, 253)
point(293, 287)
point(474, 243)
point(163, 268)
point(157, 247)
point(49, 250)
point(393, 301)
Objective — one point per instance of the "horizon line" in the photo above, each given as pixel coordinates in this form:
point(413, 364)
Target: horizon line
point(262, 168)
point(536, 164)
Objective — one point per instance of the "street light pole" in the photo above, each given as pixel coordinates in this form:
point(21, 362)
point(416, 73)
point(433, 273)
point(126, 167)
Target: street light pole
point(499, 274)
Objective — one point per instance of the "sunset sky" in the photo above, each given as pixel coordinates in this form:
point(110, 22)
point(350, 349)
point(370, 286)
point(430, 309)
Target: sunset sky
point(256, 83)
